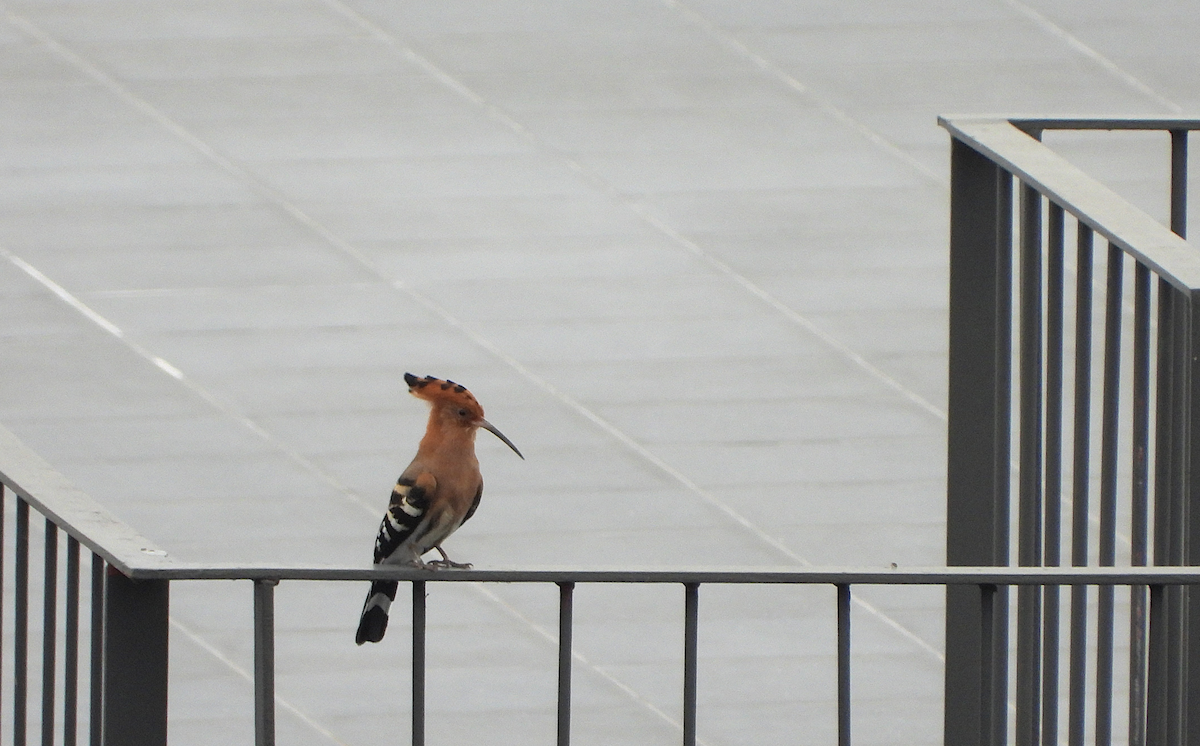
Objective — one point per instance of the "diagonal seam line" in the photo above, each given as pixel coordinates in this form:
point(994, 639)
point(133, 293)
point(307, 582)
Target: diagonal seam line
point(195, 637)
point(733, 43)
point(644, 212)
point(204, 394)
point(189, 138)
point(279, 200)
point(625, 439)
point(446, 79)
point(217, 653)
point(824, 105)
point(1074, 42)
point(564, 398)
point(546, 635)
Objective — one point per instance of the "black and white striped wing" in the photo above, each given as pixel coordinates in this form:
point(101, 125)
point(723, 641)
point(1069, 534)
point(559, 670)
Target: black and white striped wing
point(410, 501)
point(404, 514)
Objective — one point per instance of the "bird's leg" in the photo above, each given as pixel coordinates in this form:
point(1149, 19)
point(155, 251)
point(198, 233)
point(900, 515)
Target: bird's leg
point(445, 561)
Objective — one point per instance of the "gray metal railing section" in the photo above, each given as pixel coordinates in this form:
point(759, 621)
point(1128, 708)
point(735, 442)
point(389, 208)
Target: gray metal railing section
point(1010, 301)
point(119, 655)
point(126, 672)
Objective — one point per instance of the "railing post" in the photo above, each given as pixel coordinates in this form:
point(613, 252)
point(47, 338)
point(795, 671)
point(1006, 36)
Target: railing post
point(21, 625)
point(1140, 510)
point(1080, 482)
point(418, 663)
point(691, 630)
point(566, 610)
point(96, 662)
point(843, 667)
point(1030, 508)
point(1109, 433)
point(136, 627)
point(977, 503)
point(1191, 526)
point(1179, 169)
point(49, 631)
point(71, 647)
point(264, 662)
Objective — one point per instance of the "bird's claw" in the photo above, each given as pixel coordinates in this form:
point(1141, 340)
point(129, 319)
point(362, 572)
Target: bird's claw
point(447, 564)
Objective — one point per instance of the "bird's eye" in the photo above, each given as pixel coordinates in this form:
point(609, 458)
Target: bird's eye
point(462, 413)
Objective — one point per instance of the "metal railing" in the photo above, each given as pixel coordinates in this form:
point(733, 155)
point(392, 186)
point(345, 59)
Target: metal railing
point(125, 673)
point(116, 671)
point(1033, 361)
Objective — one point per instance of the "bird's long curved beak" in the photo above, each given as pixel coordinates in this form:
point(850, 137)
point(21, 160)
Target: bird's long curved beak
point(492, 429)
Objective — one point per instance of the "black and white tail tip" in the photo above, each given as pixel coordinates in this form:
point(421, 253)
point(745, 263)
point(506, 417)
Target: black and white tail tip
point(374, 621)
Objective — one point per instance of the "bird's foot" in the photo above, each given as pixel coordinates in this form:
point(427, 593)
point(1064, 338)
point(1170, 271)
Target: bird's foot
point(446, 564)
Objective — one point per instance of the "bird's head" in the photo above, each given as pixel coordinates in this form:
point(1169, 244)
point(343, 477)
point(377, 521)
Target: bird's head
point(453, 404)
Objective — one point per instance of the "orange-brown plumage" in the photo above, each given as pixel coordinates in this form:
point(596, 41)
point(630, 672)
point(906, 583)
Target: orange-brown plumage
point(435, 495)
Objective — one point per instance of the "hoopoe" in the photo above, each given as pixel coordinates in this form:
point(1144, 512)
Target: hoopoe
point(437, 493)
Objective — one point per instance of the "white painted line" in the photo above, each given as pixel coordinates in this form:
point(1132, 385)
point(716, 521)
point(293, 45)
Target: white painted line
point(343, 245)
point(1108, 65)
point(217, 653)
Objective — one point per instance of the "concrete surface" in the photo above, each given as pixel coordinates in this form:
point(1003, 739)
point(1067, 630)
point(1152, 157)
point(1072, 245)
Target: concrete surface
point(690, 255)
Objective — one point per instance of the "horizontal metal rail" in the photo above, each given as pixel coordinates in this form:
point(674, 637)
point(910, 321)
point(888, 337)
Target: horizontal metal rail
point(1161, 124)
point(954, 576)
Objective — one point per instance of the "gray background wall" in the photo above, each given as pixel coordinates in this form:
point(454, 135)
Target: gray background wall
point(691, 257)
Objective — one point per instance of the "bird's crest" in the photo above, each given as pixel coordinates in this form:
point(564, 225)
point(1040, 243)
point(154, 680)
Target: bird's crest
point(436, 390)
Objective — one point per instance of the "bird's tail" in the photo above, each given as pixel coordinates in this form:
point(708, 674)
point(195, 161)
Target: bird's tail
point(375, 611)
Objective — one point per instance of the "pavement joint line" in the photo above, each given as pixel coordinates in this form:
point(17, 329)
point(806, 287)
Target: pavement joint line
point(642, 211)
point(551, 638)
point(335, 240)
point(217, 653)
point(1109, 66)
point(195, 637)
point(299, 459)
point(824, 105)
point(201, 392)
point(653, 458)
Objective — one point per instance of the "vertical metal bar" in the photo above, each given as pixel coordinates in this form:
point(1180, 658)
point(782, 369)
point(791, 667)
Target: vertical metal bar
point(21, 624)
point(1179, 167)
point(264, 662)
point(1108, 492)
point(1161, 683)
point(1157, 684)
point(988, 710)
point(1029, 505)
point(418, 663)
point(1053, 482)
point(691, 629)
point(1080, 479)
point(1190, 683)
point(1177, 523)
point(978, 434)
point(2, 506)
point(1140, 502)
point(1003, 459)
point(1175, 613)
point(136, 643)
point(566, 607)
point(96, 664)
point(49, 630)
point(843, 627)
point(71, 646)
